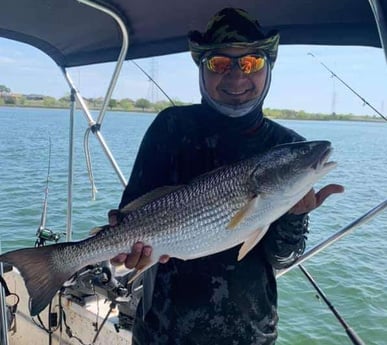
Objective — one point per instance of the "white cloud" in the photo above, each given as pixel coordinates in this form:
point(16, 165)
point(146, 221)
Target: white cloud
point(6, 60)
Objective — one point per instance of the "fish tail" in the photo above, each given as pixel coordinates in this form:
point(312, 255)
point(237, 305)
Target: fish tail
point(42, 275)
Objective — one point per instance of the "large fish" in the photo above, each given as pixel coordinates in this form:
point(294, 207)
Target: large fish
point(231, 205)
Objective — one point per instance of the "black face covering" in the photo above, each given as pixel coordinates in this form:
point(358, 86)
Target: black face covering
point(240, 109)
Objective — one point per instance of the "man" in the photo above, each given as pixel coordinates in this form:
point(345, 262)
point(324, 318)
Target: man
point(215, 299)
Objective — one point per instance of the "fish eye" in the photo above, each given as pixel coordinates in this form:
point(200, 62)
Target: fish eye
point(304, 150)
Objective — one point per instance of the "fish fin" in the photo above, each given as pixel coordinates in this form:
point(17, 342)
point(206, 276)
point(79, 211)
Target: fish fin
point(139, 272)
point(243, 213)
point(96, 230)
point(136, 275)
point(146, 198)
point(251, 242)
point(115, 217)
point(41, 276)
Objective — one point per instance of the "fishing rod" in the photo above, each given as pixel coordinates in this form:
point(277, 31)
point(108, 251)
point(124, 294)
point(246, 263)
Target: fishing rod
point(153, 81)
point(332, 239)
point(44, 234)
point(336, 236)
point(345, 84)
point(352, 335)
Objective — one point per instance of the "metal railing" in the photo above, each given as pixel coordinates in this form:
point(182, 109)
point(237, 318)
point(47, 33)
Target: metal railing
point(335, 237)
point(94, 126)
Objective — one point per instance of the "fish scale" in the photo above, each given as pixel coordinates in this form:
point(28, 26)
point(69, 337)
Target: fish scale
point(231, 205)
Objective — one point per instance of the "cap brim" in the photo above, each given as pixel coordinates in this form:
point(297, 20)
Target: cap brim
point(268, 45)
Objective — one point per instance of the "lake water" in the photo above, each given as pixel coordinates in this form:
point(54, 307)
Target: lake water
point(352, 272)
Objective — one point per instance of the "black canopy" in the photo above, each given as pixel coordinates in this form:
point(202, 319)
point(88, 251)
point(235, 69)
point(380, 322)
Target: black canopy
point(74, 34)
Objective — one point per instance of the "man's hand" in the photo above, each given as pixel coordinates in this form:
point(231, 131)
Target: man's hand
point(139, 257)
point(313, 200)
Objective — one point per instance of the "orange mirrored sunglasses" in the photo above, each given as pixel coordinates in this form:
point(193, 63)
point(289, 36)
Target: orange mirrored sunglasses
point(249, 63)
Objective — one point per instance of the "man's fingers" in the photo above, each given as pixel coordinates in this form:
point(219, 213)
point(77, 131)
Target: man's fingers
point(307, 203)
point(139, 257)
point(118, 260)
point(145, 258)
point(113, 217)
point(313, 200)
point(164, 259)
point(133, 257)
point(326, 191)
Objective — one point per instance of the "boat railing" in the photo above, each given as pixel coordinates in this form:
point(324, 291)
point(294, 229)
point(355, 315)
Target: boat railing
point(93, 125)
point(335, 237)
point(3, 314)
point(381, 22)
point(352, 335)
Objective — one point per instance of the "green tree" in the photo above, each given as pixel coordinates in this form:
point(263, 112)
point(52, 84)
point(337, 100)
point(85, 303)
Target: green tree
point(49, 102)
point(4, 89)
point(142, 103)
point(64, 101)
point(160, 105)
point(126, 104)
point(10, 100)
point(112, 103)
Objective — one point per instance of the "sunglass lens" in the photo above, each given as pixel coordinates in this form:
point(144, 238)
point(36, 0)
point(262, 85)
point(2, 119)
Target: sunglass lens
point(219, 64)
point(251, 64)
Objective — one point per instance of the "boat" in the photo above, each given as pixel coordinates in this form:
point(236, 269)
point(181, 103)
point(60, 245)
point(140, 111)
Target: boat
point(83, 32)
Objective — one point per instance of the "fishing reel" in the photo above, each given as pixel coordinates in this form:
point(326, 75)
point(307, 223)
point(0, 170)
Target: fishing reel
point(99, 279)
point(46, 235)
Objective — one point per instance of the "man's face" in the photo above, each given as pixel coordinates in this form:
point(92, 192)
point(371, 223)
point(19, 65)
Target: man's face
point(234, 87)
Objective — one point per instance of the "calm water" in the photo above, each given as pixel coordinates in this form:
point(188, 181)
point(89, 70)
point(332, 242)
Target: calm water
point(352, 272)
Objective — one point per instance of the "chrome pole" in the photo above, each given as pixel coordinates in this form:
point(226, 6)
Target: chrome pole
point(95, 128)
point(3, 311)
point(335, 237)
point(69, 223)
point(96, 125)
point(121, 57)
point(379, 11)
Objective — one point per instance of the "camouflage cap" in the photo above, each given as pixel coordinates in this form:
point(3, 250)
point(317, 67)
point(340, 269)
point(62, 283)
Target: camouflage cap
point(233, 27)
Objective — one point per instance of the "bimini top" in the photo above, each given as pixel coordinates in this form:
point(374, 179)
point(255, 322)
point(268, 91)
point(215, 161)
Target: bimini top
point(74, 34)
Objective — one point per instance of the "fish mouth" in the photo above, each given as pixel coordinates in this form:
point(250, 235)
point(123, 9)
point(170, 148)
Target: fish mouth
point(323, 162)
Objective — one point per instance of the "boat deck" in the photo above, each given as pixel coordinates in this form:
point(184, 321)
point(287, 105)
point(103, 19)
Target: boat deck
point(82, 320)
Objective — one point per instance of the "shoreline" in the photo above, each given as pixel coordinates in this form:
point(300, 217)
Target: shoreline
point(304, 117)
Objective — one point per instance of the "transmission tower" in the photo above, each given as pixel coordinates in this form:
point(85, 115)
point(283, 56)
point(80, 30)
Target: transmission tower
point(152, 89)
point(333, 101)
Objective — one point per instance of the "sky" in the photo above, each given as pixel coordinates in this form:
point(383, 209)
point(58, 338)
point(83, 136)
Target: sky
point(299, 81)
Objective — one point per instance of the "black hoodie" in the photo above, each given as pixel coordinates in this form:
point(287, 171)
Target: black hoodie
point(214, 299)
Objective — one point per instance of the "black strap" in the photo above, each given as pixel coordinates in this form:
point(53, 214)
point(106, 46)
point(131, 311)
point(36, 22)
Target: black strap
point(5, 286)
point(12, 307)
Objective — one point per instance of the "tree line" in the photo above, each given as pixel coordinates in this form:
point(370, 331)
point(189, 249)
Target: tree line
point(7, 98)
point(34, 100)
